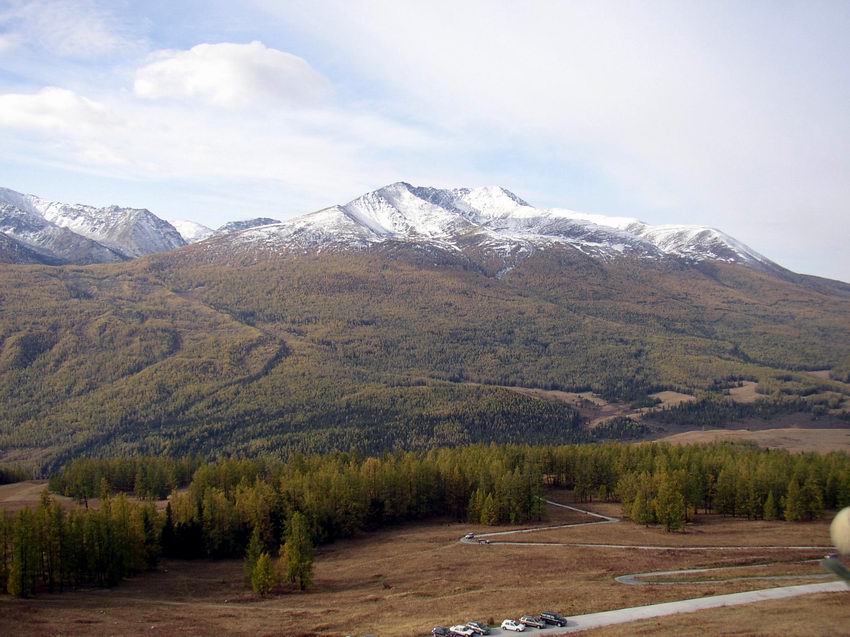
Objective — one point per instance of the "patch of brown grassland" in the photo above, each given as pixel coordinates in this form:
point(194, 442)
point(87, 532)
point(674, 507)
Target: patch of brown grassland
point(401, 581)
point(824, 615)
point(790, 438)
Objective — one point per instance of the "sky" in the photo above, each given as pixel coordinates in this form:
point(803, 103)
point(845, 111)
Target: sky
point(734, 115)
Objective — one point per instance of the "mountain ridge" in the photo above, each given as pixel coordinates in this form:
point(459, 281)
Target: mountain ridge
point(488, 224)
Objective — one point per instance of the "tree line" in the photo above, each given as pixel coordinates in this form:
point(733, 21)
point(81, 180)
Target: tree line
point(52, 548)
point(259, 508)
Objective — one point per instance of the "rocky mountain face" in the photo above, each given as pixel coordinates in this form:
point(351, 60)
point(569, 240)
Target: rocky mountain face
point(488, 223)
point(84, 234)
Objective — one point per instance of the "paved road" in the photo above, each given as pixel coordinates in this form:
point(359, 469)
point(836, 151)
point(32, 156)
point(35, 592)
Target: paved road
point(580, 623)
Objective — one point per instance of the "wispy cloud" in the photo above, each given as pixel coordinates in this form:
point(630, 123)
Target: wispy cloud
point(68, 28)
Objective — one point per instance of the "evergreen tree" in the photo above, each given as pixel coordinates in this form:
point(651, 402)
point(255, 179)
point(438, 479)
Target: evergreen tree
point(793, 502)
point(23, 571)
point(811, 499)
point(641, 511)
point(255, 549)
point(489, 511)
point(297, 553)
point(724, 498)
point(263, 578)
point(669, 505)
point(168, 541)
point(771, 512)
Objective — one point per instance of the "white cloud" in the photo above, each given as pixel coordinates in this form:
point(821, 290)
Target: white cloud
point(54, 110)
point(69, 28)
point(229, 74)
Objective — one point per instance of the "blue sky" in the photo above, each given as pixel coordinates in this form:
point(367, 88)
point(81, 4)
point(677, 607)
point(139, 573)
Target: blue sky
point(732, 114)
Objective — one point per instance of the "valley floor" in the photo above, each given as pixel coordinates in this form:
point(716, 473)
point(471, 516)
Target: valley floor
point(404, 580)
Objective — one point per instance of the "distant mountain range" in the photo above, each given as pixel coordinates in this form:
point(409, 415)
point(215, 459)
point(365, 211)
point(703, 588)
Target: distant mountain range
point(35, 230)
point(489, 223)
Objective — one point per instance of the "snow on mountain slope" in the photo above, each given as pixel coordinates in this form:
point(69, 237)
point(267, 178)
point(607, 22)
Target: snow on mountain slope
point(191, 231)
point(491, 219)
point(699, 243)
point(129, 232)
point(486, 222)
point(54, 243)
point(245, 224)
point(14, 251)
point(400, 210)
point(331, 228)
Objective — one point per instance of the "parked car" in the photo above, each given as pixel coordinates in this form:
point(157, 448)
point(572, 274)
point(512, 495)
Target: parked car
point(483, 541)
point(553, 618)
point(440, 631)
point(469, 536)
point(534, 621)
point(510, 624)
point(480, 628)
point(463, 630)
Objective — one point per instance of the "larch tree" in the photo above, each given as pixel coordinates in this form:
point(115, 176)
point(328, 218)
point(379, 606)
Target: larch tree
point(263, 578)
point(297, 553)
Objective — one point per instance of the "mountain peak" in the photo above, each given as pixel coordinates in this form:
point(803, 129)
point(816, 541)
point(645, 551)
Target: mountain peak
point(491, 222)
point(85, 234)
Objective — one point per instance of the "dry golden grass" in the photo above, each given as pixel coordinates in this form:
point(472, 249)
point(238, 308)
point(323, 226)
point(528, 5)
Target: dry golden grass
point(824, 615)
point(823, 374)
point(672, 398)
point(746, 393)
point(791, 438)
point(402, 581)
point(19, 495)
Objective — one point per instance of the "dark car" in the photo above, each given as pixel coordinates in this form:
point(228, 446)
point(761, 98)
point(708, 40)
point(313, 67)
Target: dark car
point(535, 621)
point(480, 628)
point(553, 618)
point(439, 631)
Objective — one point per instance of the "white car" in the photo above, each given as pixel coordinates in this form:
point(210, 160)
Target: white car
point(510, 624)
point(460, 629)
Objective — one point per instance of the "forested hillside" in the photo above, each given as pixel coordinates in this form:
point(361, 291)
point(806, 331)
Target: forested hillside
point(401, 347)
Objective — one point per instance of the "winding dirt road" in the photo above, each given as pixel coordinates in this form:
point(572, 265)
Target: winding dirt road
point(578, 623)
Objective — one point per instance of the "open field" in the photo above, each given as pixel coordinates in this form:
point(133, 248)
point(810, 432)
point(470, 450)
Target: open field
point(19, 495)
point(790, 438)
point(746, 393)
point(401, 581)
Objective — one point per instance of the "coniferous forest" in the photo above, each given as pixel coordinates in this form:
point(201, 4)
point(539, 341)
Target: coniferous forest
point(255, 508)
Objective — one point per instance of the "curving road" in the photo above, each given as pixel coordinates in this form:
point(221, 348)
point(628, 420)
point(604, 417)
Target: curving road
point(580, 623)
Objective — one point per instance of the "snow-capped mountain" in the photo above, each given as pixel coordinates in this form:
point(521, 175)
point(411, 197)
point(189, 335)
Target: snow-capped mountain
point(481, 223)
point(191, 231)
point(245, 224)
point(52, 242)
point(84, 234)
point(489, 219)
